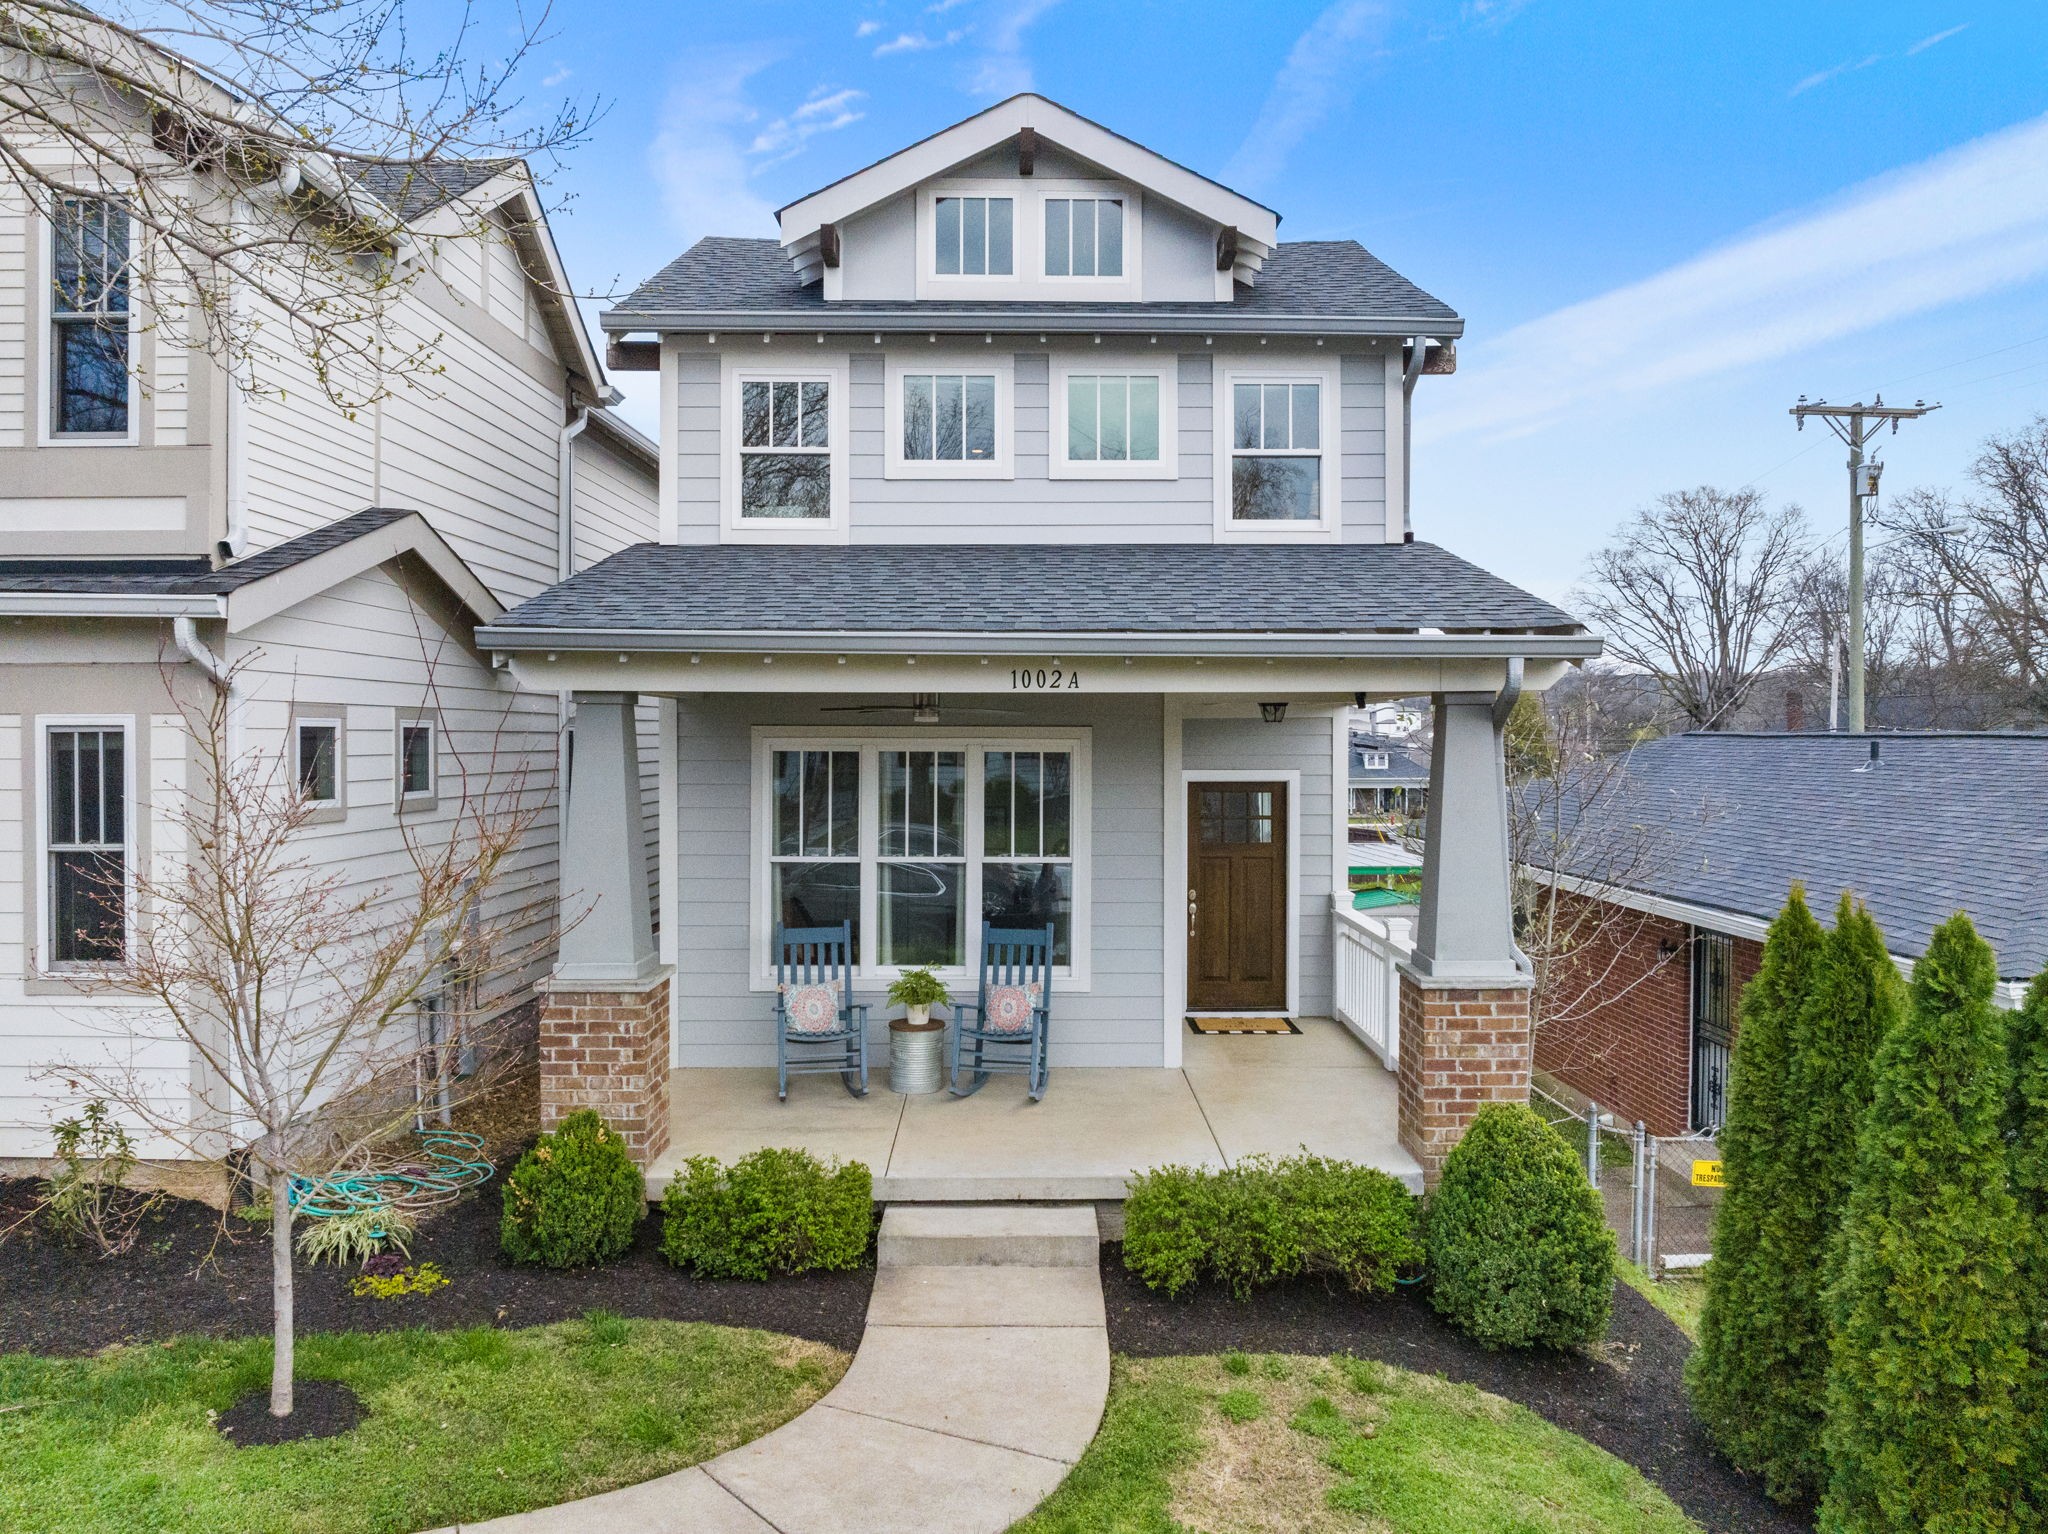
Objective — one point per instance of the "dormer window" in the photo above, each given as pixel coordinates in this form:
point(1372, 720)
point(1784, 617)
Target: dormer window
point(1084, 237)
point(975, 236)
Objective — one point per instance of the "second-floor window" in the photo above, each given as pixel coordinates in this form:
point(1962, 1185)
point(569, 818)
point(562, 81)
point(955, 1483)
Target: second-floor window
point(89, 340)
point(785, 449)
point(975, 236)
point(1084, 237)
point(949, 417)
point(1112, 418)
point(1276, 451)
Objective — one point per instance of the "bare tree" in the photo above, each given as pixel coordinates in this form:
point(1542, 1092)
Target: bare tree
point(270, 154)
point(300, 992)
point(1699, 591)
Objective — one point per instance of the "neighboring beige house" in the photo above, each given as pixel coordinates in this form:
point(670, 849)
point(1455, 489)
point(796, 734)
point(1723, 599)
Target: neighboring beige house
point(156, 520)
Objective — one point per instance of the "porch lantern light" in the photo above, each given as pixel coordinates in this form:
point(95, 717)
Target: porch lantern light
point(1272, 713)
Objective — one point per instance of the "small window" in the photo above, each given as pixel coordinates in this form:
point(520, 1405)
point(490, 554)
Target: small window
point(416, 768)
point(1112, 418)
point(88, 845)
point(1372, 761)
point(89, 319)
point(785, 449)
point(973, 236)
point(1084, 237)
point(1276, 465)
point(949, 417)
point(316, 746)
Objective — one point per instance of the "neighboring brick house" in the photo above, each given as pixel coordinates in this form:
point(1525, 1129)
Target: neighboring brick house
point(1916, 825)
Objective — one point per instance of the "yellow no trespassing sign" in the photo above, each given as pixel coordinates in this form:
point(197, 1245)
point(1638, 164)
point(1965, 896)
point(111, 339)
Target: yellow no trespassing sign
point(1707, 1174)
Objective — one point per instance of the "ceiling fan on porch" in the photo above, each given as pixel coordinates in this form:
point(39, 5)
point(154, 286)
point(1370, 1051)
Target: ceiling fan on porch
point(923, 708)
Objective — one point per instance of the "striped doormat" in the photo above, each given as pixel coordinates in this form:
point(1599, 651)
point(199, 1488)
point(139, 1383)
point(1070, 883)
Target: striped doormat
point(1241, 1025)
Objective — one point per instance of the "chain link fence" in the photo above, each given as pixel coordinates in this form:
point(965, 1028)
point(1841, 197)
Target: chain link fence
point(1660, 1191)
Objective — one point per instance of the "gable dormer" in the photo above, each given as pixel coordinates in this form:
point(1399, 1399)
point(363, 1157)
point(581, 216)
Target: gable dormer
point(1027, 202)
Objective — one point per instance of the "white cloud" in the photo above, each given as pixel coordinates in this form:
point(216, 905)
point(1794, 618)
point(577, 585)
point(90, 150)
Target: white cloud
point(867, 28)
point(560, 73)
point(1318, 78)
point(698, 157)
point(1970, 221)
point(823, 112)
point(1822, 76)
point(1940, 37)
point(918, 42)
point(1004, 69)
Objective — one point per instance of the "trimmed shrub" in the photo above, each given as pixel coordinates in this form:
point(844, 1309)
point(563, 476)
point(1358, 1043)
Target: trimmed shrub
point(1263, 1220)
point(1743, 1375)
point(774, 1211)
point(1519, 1250)
point(1929, 1350)
point(2026, 1131)
point(574, 1199)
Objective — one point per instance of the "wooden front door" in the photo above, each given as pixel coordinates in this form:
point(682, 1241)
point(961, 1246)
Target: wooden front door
point(1237, 897)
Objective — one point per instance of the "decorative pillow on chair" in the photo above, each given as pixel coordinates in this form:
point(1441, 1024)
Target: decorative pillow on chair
point(812, 1008)
point(1010, 1007)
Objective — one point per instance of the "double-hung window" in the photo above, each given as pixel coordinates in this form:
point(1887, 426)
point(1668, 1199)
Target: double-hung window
point(86, 835)
point(786, 449)
point(1084, 237)
point(1276, 450)
point(973, 236)
point(89, 339)
point(920, 843)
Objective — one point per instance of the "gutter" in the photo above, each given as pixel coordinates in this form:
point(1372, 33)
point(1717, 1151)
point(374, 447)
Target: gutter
point(840, 319)
point(103, 604)
point(1511, 647)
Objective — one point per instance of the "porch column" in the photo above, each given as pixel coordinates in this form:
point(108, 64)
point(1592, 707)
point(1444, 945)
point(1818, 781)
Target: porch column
point(1465, 1037)
point(604, 1025)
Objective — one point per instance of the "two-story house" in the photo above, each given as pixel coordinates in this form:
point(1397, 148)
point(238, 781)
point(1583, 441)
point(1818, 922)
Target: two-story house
point(1033, 516)
point(160, 519)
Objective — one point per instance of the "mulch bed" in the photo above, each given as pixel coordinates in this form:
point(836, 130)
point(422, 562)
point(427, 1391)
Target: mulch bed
point(193, 1272)
point(320, 1409)
point(1629, 1397)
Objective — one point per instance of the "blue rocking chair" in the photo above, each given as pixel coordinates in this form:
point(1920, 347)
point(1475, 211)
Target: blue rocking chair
point(1005, 1027)
point(826, 1030)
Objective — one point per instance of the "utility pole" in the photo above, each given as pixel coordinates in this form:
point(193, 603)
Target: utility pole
point(1857, 425)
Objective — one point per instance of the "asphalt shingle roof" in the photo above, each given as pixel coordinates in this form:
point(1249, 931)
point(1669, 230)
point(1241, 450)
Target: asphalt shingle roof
point(1942, 823)
point(1087, 588)
point(1301, 279)
point(421, 187)
point(186, 577)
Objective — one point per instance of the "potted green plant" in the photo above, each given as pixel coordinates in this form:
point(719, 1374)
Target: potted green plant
point(916, 1042)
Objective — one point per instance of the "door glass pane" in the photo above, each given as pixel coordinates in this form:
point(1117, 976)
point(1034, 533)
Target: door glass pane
point(1145, 418)
point(818, 895)
point(1115, 419)
point(1110, 239)
point(1084, 237)
point(1030, 895)
point(1308, 418)
point(946, 409)
point(1245, 415)
point(921, 910)
point(1000, 211)
point(1057, 236)
point(981, 418)
point(1081, 441)
point(948, 236)
point(974, 234)
point(917, 417)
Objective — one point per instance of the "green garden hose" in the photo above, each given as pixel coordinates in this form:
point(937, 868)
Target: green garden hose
point(455, 1163)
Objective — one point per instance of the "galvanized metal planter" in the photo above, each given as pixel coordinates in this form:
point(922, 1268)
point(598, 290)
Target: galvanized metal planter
point(917, 1052)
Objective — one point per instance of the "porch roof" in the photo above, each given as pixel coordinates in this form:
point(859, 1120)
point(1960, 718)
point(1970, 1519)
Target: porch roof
point(667, 596)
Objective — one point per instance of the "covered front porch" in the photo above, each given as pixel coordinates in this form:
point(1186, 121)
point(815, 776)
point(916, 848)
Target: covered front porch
point(1231, 1097)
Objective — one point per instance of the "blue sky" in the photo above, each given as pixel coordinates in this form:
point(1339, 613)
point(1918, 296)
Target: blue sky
point(1661, 222)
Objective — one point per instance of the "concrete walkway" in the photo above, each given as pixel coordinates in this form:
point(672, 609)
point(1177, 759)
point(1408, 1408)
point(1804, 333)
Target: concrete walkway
point(980, 1379)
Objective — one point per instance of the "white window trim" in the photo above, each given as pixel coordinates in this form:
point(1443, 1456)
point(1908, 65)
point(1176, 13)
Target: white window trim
point(323, 811)
point(400, 798)
point(1327, 528)
point(47, 434)
point(46, 938)
point(732, 374)
point(931, 282)
point(1116, 363)
point(1123, 288)
point(1071, 977)
point(910, 364)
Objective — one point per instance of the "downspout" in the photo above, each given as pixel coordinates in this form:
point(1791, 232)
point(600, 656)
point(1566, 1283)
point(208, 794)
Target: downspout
point(1504, 703)
point(565, 559)
point(185, 632)
point(1418, 350)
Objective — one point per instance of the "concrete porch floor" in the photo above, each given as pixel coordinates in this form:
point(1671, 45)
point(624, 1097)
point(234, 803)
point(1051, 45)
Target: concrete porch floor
point(1233, 1096)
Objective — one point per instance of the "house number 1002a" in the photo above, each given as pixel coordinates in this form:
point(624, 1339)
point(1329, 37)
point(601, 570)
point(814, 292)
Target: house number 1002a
point(1044, 678)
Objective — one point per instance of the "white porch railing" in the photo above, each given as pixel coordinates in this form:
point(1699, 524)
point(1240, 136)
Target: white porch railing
point(1367, 987)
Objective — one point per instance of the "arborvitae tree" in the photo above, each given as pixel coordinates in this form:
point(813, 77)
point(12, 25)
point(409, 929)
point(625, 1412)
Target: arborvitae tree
point(1743, 1377)
point(1924, 1424)
point(1855, 999)
point(2026, 1127)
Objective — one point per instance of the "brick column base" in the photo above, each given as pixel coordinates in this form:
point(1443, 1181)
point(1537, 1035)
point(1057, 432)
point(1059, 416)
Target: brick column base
point(608, 1050)
point(1461, 1048)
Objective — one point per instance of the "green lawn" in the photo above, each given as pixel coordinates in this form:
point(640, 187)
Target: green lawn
point(1238, 1445)
point(461, 1425)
